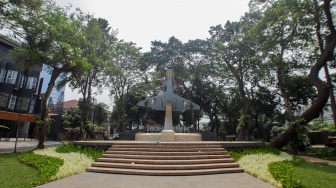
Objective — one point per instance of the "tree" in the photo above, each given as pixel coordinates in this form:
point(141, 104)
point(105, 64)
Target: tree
point(126, 61)
point(49, 36)
point(98, 49)
point(283, 36)
point(72, 118)
point(234, 48)
point(322, 88)
point(100, 113)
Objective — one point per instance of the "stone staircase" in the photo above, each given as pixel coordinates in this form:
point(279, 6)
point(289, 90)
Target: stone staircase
point(165, 159)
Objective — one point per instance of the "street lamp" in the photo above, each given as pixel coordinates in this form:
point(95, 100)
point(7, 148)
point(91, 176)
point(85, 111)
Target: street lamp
point(94, 102)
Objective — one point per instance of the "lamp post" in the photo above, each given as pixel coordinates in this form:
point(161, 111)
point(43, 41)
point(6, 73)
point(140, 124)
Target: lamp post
point(94, 101)
point(18, 121)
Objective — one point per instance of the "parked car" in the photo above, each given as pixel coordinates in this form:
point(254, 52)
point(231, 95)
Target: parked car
point(331, 142)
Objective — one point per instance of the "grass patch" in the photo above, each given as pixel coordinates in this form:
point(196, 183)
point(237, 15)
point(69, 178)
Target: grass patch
point(15, 174)
point(314, 175)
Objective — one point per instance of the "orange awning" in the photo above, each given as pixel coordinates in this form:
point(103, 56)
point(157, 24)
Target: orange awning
point(15, 117)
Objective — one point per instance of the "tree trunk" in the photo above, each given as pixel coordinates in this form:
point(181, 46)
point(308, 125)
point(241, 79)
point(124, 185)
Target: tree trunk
point(322, 87)
point(322, 97)
point(44, 110)
point(241, 132)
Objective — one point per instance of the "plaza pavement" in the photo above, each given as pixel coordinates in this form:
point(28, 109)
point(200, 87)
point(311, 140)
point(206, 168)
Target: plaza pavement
point(23, 145)
point(92, 180)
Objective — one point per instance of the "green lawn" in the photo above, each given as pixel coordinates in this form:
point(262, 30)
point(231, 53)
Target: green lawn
point(314, 175)
point(15, 174)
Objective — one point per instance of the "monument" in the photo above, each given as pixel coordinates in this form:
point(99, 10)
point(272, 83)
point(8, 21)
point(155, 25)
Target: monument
point(169, 101)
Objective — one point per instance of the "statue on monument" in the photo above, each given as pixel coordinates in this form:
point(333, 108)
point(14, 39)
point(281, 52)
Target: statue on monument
point(168, 101)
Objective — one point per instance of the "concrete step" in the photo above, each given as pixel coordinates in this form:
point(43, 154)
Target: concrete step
point(166, 146)
point(165, 143)
point(167, 162)
point(165, 166)
point(163, 149)
point(167, 153)
point(155, 157)
point(164, 172)
point(168, 158)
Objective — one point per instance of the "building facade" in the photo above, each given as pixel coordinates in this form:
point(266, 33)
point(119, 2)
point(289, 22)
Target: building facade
point(57, 95)
point(19, 92)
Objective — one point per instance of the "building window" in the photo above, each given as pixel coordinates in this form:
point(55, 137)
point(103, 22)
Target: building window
point(22, 105)
point(31, 107)
point(2, 75)
point(31, 83)
point(12, 102)
point(23, 80)
point(11, 77)
point(4, 99)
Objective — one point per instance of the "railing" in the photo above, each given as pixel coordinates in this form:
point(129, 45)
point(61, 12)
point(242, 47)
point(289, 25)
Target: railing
point(156, 129)
point(5, 135)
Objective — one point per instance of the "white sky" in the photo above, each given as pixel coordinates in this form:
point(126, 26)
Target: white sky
point(143, 21)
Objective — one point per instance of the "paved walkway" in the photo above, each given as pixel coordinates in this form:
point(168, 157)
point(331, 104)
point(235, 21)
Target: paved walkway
point(91, 179)
point(318, 161)
point(23, 145)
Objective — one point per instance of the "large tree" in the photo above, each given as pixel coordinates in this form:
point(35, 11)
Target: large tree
point(235, 51)
point(322, 88)
point(50, 36)
point(126, 66)
point(98, 50)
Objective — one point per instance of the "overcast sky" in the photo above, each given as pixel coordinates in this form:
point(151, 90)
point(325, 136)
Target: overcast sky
point(144, 21)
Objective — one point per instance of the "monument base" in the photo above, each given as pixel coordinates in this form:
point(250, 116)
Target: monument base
point(168, 136)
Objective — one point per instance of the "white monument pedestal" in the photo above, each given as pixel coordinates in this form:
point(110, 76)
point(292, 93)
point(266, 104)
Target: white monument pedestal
point(167, 136)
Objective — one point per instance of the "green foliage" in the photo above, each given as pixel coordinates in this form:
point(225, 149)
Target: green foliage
point(48, 166)
point(276, 130)
point(250, 151)
point(94, 153)
point(15, 174)
point(100, 113)
point(284, 173)
point(72, 118)
point(42, 126)
point(301, 140)
point(324, 153)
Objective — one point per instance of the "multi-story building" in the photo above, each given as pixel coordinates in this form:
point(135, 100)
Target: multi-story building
point(57, 95)
point(19, 92)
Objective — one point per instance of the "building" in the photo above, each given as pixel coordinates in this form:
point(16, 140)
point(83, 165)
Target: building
point(19, 93)
point(57, 95)
point(70, 104)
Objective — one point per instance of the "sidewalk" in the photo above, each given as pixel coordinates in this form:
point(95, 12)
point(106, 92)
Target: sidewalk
point(318, 161)
point(23, 145)
point(91, 179)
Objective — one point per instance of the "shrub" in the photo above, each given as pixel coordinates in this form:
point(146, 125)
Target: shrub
point(47, 166)
point(284, 173)
point(74, 163)
point(94, 153)
point(257, 165)
point(250, 151)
